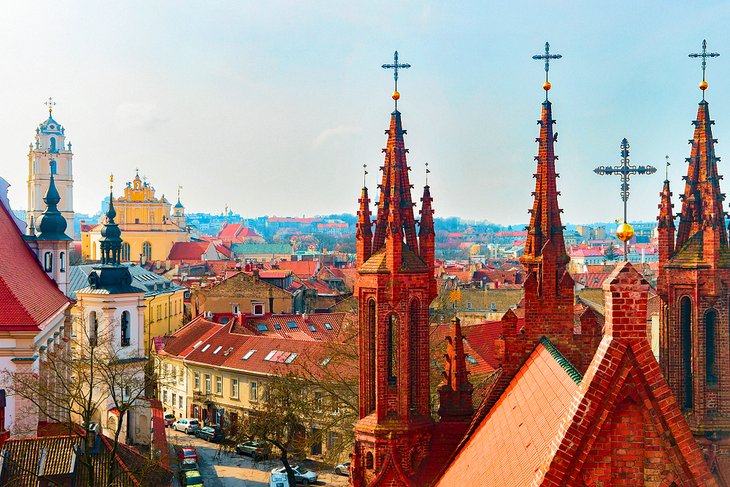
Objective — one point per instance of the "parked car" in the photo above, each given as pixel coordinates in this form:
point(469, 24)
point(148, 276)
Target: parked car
point(210, 433)
point(186, 465)
point(343, 469)
point(192, 478)
point(278, 480)
point(253, 449)
point(187, 452)
point(187, 425)
point(169, 419)
point(301, 474)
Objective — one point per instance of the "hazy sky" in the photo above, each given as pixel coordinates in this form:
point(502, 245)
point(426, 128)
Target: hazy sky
point(273, 107)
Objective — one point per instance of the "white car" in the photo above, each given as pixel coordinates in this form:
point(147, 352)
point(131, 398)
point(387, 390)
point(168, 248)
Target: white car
point(186, 425)
point(301, 474)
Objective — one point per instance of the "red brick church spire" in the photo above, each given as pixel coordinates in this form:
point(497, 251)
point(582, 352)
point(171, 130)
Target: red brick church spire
point(364, 233)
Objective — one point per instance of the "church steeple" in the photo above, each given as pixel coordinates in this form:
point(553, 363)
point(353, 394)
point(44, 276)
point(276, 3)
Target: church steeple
point(52, 224)
point(665, 226)
point(111, 239)
point(364, 233)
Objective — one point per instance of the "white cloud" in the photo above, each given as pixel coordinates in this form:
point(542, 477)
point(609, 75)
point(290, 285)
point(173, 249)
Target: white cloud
point(333, 133)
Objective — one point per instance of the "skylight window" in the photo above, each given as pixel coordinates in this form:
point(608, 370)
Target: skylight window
point(471, 359)
point(328, 326)
point(277, 326)
point(325, 361)
point(262, 327)
point(248, 354)
point(291, 358)
point(217, 349)
point(292, 324)
point(312, 328)
point(205, 348)
point(198, 344)
point(270, 354)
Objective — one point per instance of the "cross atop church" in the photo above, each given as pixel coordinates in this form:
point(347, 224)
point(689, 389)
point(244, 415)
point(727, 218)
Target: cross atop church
point(53, 166)
point(547, 57)
point(704, 55)
point(50, 104)
point(395, 67)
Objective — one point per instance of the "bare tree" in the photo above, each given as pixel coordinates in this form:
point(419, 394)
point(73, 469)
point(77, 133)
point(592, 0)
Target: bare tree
point(78, 382)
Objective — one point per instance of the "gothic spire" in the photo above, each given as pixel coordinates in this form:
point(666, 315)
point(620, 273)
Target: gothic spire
point(455, 391)
point(364, 233)
point(702, 198)
point(426, 231)
point(395, 186)
point(545, 224)
point(111, 236)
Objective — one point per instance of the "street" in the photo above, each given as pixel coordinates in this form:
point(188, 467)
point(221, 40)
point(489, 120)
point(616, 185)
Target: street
point(220, 467)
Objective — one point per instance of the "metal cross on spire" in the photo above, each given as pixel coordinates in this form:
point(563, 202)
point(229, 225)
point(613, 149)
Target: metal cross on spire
point(395, 67)
point(50, 104)
point(625, 170)
point(364, 174)
point(547, 57)
point(178, 193)
point(428, 171)
point(704, 55)
point(666, 169)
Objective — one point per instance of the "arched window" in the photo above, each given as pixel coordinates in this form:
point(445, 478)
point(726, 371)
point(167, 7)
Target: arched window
point(62, 261)
point(392, 349)
point(125, 329)
point(147, 250)
point(93, 328)
point(710, 349)
point(369, 460)
point(125, 251)
point(53, 144)
point(413, 340)
point(685, 325)
point(372, 345)
point(48, 262)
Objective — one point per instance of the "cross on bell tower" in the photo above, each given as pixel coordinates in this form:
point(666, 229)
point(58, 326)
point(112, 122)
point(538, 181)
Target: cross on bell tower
point(547, 57)
point(704, 55)
point(395, 66)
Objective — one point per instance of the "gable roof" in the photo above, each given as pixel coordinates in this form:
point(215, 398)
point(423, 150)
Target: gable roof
point(28, 297)
point(188, 250)
point(303, 269)
point(184, 340)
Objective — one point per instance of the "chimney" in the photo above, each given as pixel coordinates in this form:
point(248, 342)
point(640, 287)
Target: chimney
point(626, 293)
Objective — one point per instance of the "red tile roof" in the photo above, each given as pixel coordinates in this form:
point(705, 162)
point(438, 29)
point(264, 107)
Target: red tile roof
point(28, 297)
point(188, 251)
point(303, 269)
point(184, 340)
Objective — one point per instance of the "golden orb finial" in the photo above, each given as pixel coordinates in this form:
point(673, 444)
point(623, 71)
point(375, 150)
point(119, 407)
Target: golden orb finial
point(625, 232)
point(395, 96)
point(546, 86)
point(704, 85)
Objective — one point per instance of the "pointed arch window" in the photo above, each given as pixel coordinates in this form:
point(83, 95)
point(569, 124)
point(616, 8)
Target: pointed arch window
point(126, 252)
point(125, 329)
point(710, 348)
point(685, 326)
point(414, 350)
point(371, 346)
point(392, 349)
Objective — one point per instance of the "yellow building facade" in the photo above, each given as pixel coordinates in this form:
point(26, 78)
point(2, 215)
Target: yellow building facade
point(148, 228)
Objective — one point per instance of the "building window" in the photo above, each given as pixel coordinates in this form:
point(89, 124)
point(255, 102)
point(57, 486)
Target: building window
point(174, 399)
point(258, 309)
point(62, 262)
point(219, 385)
point(392, 349)
point(253, 393)
point(685, 319)
point(196, 380)
point(48, 262)
point(164, 396)
point(234, 388)
point(126, 252)
point(180, 402)
point(710, 349)
point(125, 329)
point(93, 328)
point(147, 250)
point(207, 383)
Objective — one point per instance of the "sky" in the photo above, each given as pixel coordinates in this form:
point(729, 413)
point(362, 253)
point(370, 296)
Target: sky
point(273, 107)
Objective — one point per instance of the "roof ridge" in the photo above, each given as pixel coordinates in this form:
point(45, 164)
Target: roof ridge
point(561, 360)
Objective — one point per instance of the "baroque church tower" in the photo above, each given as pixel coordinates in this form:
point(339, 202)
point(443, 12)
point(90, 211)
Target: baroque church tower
point(50, 154)
point(395, 286)
point(694, 286)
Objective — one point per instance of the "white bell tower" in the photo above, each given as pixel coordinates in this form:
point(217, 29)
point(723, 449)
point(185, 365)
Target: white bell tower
point(50, 144)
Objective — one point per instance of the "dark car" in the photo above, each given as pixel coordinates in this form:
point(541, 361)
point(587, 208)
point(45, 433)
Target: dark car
point(252, 448)
point(210, 433)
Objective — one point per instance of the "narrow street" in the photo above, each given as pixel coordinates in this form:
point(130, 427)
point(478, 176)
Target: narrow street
point(226, 468)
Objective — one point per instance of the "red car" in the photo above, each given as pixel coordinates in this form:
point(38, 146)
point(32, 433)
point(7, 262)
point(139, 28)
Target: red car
point(187, 452)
